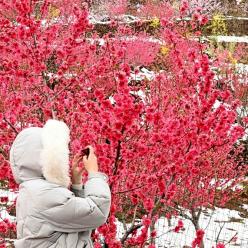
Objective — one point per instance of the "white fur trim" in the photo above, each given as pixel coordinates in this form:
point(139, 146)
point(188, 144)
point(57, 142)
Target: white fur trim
point(55, 153)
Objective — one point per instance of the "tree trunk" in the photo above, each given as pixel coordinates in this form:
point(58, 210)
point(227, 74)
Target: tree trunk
point(152, 228)
point(195, 221)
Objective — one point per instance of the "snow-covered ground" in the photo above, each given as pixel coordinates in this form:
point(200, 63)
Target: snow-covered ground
point(105, 19)
point(10, 194)
point(11, 197)
point(221, 225)
point(236, 17)
point(238, 39)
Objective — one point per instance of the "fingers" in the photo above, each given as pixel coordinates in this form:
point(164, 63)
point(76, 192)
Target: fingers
point(76, 159)
point(85, 159)
point(81, 169)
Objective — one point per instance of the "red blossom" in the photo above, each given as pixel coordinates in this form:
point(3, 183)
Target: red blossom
point(220, 245)
point(179, 226)
point(199, 238)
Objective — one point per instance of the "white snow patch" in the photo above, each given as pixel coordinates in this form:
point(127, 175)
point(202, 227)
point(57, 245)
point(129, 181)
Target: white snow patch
point(236, 17)
point(242, 68)
point(11, 197)
point(105, 19)
point(143, 74)
point(238, 39)
point(5, 215)
point(10, 194)
point(219, 225)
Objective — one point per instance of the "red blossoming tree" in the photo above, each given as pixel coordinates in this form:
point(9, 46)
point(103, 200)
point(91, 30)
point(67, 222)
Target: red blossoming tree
point(164, 142)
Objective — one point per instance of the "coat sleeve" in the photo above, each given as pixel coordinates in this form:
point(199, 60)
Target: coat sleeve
point(78, 190)
point(66, 212)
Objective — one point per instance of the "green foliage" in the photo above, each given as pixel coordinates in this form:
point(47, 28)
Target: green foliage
point(218, 25)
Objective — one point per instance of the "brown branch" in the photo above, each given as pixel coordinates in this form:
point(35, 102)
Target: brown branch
point(118, 153)
point(143, 185)
point(190, 144)
point(231, 238)
point(4, 154)
point(129, 231)
point(14, 129)
point(221, 228)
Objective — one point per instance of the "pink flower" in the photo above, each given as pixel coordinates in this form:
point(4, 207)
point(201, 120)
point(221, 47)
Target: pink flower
point(199, 238)
point(179, 226)
point(146, 221)
point(220, 245)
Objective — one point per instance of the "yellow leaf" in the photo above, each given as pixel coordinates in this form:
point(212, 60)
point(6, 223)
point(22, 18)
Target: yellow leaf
point(155, 22)
point(164, 50)
point(53, 11)
point(218, 25)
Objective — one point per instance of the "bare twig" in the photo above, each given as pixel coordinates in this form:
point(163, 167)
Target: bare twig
point(221, 228)
point(14, 129)
point(231, 238)
point(129, 231)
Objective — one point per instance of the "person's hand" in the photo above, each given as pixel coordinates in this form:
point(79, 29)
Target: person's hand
point(76, 175)
point(90, 163)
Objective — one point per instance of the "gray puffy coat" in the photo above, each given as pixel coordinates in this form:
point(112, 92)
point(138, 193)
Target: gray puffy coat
point(48, 213)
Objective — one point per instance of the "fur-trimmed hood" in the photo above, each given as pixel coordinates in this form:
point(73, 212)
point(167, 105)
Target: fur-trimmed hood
point(42, 153)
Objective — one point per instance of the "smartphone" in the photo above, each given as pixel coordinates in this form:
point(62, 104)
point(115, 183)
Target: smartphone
point(85, 152)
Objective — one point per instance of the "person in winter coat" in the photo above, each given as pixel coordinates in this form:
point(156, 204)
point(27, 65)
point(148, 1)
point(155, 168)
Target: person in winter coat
point(52, 209)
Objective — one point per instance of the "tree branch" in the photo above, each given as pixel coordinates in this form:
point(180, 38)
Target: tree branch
point(129, 231)
point(14, 129)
